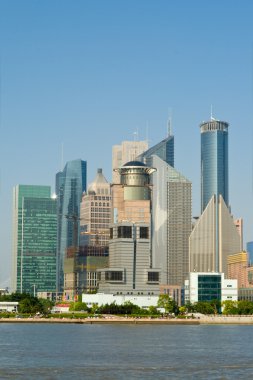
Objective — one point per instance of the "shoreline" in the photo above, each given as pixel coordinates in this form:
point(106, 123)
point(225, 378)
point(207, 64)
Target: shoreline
point(212, 320)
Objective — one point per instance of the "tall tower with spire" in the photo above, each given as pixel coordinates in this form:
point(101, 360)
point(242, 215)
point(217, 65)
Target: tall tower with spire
point(214, 161)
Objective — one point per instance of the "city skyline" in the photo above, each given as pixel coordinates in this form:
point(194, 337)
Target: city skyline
point(90, 75)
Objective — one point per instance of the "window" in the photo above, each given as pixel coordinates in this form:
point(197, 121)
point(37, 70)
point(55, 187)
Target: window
point(125, 232)
point(144, 233)
point(153, 276)
point(114, 276)
point(111, 233)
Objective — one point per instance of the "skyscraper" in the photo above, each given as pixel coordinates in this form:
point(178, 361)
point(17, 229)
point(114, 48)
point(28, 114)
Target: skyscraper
point(80, 268)
point(171, 216)
point(214, 161)
point(164, 150)
point(130, 269)
point(171, 222)
point(214, 236)
point(34, 239)
point(70, 185)
point(127, 151)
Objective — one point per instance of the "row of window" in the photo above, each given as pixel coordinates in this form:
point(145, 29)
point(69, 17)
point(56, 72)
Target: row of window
point(126, 232)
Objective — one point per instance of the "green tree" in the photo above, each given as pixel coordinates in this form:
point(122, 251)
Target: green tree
point(230, 307)
point(78, 306)
point(245, 307)
point(204, 307)
point(168, 304)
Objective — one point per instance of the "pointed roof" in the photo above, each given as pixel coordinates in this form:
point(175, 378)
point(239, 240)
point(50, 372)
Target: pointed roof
point(98, 182)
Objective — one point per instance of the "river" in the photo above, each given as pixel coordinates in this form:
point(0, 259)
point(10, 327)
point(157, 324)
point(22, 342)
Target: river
point(74, 351)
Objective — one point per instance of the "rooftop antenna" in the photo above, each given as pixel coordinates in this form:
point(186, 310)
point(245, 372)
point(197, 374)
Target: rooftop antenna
point(62, 154)
point(135, 140)
point(212, 118)
point(147, 130)
point(169, 126)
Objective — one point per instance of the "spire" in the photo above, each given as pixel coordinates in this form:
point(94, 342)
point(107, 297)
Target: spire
point(169, 125)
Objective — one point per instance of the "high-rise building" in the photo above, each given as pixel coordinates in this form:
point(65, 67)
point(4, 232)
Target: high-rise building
point(164, 150)
point(237, 268)
point(171, 222)
point(171, 216)
point(126, 152)
point(250, 252)
point(80, 269)
point(34, 239)
point(70, 185)
point(239, 226)
point(214, 161)
point(130, 269)
point(214, 236)
point(213, 239)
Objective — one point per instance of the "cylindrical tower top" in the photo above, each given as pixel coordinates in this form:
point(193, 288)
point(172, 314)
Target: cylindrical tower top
point(214, 125)
point(134, 173)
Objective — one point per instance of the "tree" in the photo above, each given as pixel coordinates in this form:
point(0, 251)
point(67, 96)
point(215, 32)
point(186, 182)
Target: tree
point(230, 307)
point(168, 304)
point(78, 306)
point(204, 307)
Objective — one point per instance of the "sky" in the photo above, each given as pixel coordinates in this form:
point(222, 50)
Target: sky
point(87, 74)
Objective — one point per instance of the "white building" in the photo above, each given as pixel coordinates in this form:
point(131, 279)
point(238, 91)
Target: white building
point(208, 286)
point(11, 307)
point(100, 299)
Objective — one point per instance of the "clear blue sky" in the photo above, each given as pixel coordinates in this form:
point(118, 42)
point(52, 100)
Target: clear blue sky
point(90, 73)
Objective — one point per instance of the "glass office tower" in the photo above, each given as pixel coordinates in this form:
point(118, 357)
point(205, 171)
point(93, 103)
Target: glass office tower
point(164, 150)
point(214, 161)
point(70, 185)
point(34, 239)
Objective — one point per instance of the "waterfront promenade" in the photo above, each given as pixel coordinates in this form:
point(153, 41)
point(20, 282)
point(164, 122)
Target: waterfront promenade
point(110, 319)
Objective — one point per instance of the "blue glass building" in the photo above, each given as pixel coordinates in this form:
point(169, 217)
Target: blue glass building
point(214, 161)
point(164, 149)
point(70, 185)
point(250, 252)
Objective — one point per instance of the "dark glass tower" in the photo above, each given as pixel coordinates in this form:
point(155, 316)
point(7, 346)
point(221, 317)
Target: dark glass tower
point(214, 161)
point(70, 185)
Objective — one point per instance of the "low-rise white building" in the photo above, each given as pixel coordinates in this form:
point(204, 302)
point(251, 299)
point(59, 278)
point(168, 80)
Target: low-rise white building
point(11, 307)
point(100, 299)
point(208, 286)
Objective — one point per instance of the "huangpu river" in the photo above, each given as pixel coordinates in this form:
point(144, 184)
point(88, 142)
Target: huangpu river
point(75, 351)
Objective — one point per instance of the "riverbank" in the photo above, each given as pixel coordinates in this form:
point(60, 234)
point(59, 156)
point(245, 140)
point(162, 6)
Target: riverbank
point(244, 320)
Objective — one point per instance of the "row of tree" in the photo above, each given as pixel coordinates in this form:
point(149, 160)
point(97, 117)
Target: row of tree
point(29, 304)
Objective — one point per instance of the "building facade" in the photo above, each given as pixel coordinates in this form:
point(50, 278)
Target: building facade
point(171, 222)
point(250, 252)
point(34, 239)
point(164, 150)
point(93, 251)
point(210, 286)
point(171, 214)
point(237, 268)
point(213, 238)
point(70, 185)
point(130, 269)
point(127, 151)
point(214, 161)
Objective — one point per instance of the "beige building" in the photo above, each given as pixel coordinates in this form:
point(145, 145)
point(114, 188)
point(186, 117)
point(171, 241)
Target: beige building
point(237, 268)
point(239, 226)
point(130, 269)
point(81, 265)
point(213, 238)
point(121, 154)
